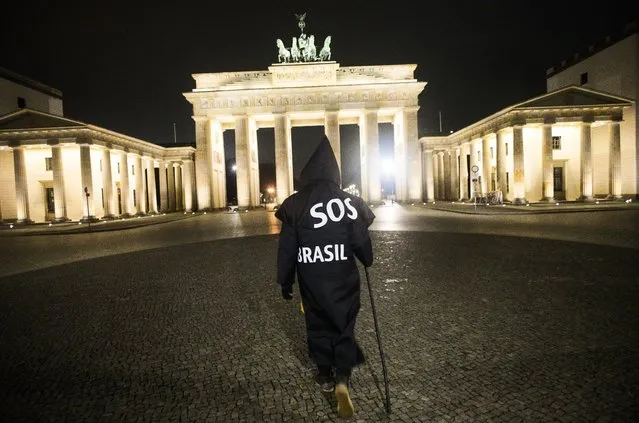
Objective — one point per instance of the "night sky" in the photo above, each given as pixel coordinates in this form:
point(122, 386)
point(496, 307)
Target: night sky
point(123, 65)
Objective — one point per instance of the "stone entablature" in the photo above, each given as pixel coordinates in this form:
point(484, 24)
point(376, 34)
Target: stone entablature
point(498, 122)
point(95, 136)
point(302, 75)
point(298, 89)
point(259, 101)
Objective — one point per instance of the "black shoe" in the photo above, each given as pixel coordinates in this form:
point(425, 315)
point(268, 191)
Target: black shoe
point(342, 377)
point(325, 379)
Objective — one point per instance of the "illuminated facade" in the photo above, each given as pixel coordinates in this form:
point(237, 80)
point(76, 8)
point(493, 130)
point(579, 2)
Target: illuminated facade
point(47, 162)
point(611, 67)
point(291, 94)
point(563, 145)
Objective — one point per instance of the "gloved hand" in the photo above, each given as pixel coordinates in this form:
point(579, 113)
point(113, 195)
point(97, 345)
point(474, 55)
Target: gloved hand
point(287, 292)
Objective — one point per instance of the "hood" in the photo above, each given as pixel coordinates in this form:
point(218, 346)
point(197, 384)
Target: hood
point(322, 166)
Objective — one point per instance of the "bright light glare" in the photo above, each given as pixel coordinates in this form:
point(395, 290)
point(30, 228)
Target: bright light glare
point(388, 166)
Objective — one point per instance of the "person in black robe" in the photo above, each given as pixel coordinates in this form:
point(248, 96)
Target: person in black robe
point(323, 230)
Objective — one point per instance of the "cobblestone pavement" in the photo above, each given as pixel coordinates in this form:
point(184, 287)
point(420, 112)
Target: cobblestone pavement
point(20, 253)
point(476, 328)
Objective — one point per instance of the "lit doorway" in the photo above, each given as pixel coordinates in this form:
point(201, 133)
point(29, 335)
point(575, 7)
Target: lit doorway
point(50, 203)
point(558, 181)
point(119, 200)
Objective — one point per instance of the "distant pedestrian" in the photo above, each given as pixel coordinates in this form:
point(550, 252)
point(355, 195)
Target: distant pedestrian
point(323, 230)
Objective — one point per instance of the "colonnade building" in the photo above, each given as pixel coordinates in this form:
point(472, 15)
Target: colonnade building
point(48, 165)
point(564, 145)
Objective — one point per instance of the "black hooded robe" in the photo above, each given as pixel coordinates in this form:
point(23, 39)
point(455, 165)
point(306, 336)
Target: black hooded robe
point(323, 230)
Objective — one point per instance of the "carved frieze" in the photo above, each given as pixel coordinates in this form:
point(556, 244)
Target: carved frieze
point(223, 100)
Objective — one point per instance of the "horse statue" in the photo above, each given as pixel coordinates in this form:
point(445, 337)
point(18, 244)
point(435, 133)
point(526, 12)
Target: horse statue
point(325, 52)
point(283, 55)
point(311, 51)
point(295, 51)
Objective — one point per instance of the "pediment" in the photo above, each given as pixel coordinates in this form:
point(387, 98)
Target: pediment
point(32, 119)
point(573, 96)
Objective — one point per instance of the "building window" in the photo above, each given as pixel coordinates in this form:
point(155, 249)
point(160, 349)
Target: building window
point(478, 156)
point(102, 192)
point(584, 78)
point(118, 168)
point(47, 163)
point(507, 182)
point(132, 169)
point(556, 143)
point(506, 144)
point(22, 103)
point(100, 165)
point(492, 153)
point(134, 200)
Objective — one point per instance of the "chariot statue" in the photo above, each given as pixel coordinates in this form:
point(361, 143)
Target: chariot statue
point(303, 48)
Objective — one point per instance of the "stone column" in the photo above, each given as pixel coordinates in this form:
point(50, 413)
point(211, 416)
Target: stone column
point(331, 129)
point(139, 186)
point(171, 186)
point(413, 163)
point(242, 161)
point(463, 178)
point(203, 165)
point(369, 147)
point(283, 158)
point(86, 176)
point(107, 184)
point(436, 175)
point(22, 193)
point(254, 174)
point(430, 183)
point(152, 193)
point(179, 188)
point(188, 185)
point(399, 152)
point(548, 183)
point(455, 173)
point(501, 162)
point(485, 163)
point(125, 191)
point(59, 197)
point(519, 182)
point(614, 191)
point(218, 171)
point(164, 188)
point(586, 161)
point(441, 167)
point(448, 183)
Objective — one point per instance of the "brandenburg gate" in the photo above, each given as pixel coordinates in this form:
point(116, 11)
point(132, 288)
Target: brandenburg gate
point(304, 89)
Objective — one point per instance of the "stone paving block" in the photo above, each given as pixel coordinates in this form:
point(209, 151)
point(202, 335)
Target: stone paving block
point(477, 328)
